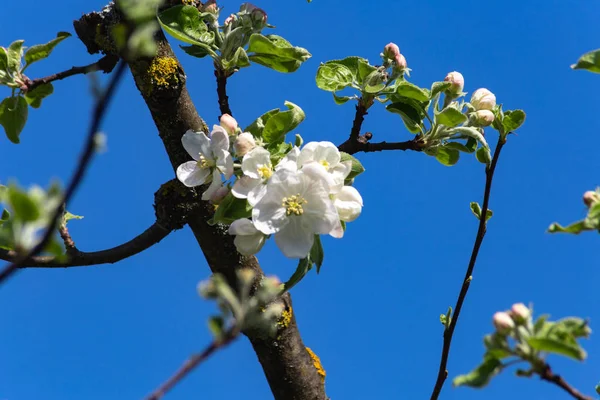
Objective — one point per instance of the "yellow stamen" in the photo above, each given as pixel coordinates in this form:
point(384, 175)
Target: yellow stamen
point(204, 163)
point(325, 164)
point(265, 171)
point(293, 204)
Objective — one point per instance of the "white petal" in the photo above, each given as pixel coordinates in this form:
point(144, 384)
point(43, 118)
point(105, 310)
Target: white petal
point(257, 193)
point(318, 172)
point(269, 217)
point(249, 245)
point(307, 153)
point(290, 161)
point(327, 151)
point(319, 212)
point(190, 175)
point(295, 239)
point(224, 163)
point(254, 160)
point(242, 226)
point(348, 203)
point(196, 143)
point(219, 140)
point(215, 185)
point(243, 186)
point(337, 232)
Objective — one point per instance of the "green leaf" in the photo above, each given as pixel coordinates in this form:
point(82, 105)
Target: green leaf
point(513, 119)
point(5, 215)
point(333, 77)
point(460, 147)
point(450, 117)
point(356, 169)
point(439, 87)
point(67, 216)
point(231, 208)
point(589, 61)
point(41, 51)
point(13, 115)
point(216, 324)
point(282, 122)
point(480, 376)
point(304, 265)
point(411, 91)
point(576, 227)
point(15, 53)
point(274, 52)
point(316, 253)
point(24, 207)
point(483, 155)
point(184, 23)
point(3, 61)
point(256, 128)
point(476, 209)
point(557, 346)
point(447, 156)
point(34, 97)
point(374, 82)
point(339, 100)
point(196, 51)
point(411, 111)
point(598, 388)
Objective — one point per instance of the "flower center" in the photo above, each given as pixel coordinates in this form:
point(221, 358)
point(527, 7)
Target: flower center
point(325, 164)
point(265, 171)
point(204, 163)
point(293, 204)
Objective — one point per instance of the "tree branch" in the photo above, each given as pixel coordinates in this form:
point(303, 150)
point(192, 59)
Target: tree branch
point(548, 376)
point(448, 333)
point(106, 64)
point(194, 361)
point(359, 117)
point(364, 146)
point(154, 234)
point(287, 364)
point(222, 91)
point(84, 161)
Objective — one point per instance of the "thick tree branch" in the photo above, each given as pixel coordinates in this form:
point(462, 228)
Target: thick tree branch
point(288, 366)
point(82, 165)
point(448, 333)
point(548, 376)
point(190, 364)
point(222, 91)
point(76, 258)
point(105, 64)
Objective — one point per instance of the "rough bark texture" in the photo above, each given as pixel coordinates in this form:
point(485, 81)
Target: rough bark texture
point(293, 372)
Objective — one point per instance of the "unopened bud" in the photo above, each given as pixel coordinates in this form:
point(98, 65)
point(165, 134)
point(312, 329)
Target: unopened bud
point(210, 7)
point(400, 61)
point(207, 289)
point(259, 18)
point(219, 194)
point(244, 143)
point(246, 275)
point(590, 198)
point(457, 83)
point(520, 313)
point(484, 117)
point(391, 50)
point(483, 99)
point(503, 322)
point(229, 19)
point(228, 123)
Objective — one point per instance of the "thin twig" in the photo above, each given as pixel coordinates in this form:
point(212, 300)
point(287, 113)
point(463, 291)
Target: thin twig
point(105, 64)
point(359, 117)
point(84, 161)
point(154, 234)
point(222, 91)
point(190, 364)
point(367, 147)
point(443, 372)
point(548, 376)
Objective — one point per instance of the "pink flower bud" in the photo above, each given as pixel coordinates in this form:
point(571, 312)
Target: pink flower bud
point(228, 123)
point(590, 198)
point(210, 7)
point(484, 117)
point(483, 99)
point(520, 313)
point(400, 61)
point(243, 144)
point(457, 81)
point(503, 322)
point(219, 194)
point(391, 50)
point(229, 19)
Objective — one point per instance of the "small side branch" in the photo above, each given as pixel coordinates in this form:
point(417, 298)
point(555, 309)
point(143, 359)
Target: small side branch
point(222, 91)
point(106, 64)
point(448, 333)
point(76, 258)
point(359, 117)
point(362, 145)
point(82, 165)
point(193, 362)
point(549, 376)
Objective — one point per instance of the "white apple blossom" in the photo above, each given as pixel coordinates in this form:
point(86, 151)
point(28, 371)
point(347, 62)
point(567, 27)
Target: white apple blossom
point(257, 169)
point(248, 239)
point(323, 159)
point(211, 158)
point(295, 208)
point(483, 99)
point(228, 123)
point(348, 203)
point(290, 161)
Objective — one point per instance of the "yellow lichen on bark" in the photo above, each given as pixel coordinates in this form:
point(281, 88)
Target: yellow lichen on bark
point(286, 318)
point(163, 71)
point(317, 363)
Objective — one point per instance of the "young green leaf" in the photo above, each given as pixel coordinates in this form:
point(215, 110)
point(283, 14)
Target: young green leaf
point(183, 23)
point(13, 115)
point(476, 209)
point(34, 97)
point(480, 376)
point(41, 51)
point(411, 91)
point(356, 169)
point(24, 207)
point(411, 112)
point(339, 100)
point(439, 87)
point(589, 61)
point(282, 122)
point(512, 120)
point(450, 117)
point(558, 346)
point(316, 253)
point(447, 156)
point(15, 53)
point(275, 52)
point(333, 77)
point(304, 265)
point(231, 208)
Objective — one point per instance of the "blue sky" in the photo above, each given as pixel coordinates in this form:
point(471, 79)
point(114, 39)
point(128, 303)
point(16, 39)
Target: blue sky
point(116, 331)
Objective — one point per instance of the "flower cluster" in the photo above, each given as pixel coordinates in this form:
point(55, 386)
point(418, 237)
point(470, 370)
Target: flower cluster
point(292, 196)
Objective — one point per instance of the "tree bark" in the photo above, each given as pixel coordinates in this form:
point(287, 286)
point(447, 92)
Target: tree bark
point(293, 372)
